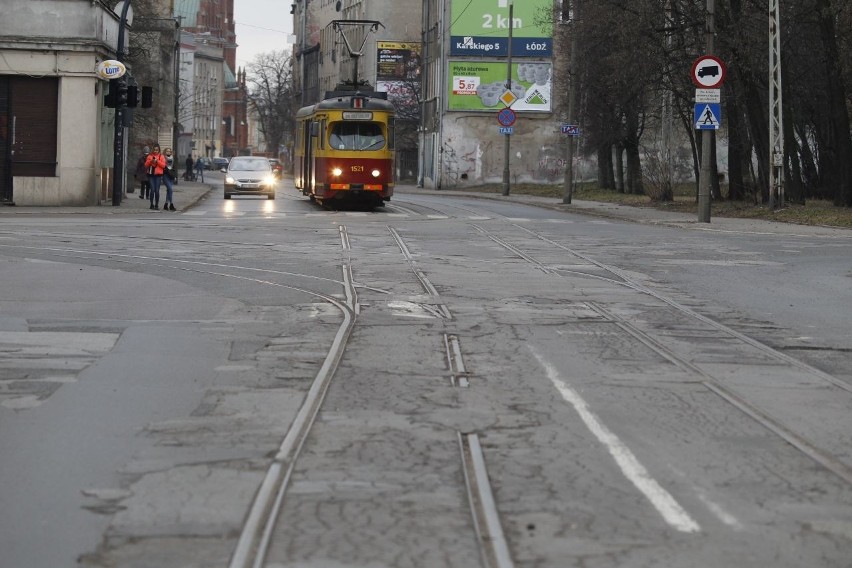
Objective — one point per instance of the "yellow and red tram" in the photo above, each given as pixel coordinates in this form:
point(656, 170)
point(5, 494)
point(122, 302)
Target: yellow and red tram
point(345, 148)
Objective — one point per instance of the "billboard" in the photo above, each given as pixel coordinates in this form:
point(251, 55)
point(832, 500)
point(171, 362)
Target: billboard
point(480, 85)
point(397, 61)
point(481, 27)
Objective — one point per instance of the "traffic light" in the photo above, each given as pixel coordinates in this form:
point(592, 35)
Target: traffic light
point(111, 96)
point(132, 96)
point(147, 97)
point(121, 100)
point(117, 97)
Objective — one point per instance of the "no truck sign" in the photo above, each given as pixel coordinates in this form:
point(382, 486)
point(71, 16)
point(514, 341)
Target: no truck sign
point(708, 72)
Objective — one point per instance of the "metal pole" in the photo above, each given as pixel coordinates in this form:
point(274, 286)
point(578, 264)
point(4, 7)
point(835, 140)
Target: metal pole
point(568, 188)
point(304, 74)
point(176, 125)
point(776, 115)
point(508, 137)
point(118, 133)
point(704, 182)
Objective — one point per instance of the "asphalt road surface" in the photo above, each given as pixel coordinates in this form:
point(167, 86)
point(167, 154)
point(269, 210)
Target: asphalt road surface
point(441, 382)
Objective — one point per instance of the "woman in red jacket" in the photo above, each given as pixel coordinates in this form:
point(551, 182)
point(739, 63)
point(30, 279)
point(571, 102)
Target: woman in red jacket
point(155, 165)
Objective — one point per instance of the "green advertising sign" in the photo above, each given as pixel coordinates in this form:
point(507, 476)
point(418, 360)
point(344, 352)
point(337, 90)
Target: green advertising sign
point(482, 86)
point(481, 27)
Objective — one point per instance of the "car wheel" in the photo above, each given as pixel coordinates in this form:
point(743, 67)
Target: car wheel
point(227, 196)
point(270, 196)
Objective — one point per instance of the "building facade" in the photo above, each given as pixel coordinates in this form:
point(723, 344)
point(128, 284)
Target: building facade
point(451, 59)
point(466, 86)
point(213, 98)
point(55, 134)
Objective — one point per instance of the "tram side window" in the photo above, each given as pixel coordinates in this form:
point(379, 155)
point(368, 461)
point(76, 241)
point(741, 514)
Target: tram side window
point(357, 136)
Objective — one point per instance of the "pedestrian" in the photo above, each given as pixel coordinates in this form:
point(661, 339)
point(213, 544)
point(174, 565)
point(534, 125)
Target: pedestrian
point(155, 165)
point(169, 178)
point(141, 175)
point(199, 169)
point(189, 163)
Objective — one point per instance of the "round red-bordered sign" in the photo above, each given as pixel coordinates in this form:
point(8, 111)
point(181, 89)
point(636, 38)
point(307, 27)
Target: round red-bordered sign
point(708, 72)
point(506, 117)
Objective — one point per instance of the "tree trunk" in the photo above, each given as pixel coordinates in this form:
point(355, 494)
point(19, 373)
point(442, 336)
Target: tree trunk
point(810, 176)
point(738, 152)
point(619, 167)
point(840, 144)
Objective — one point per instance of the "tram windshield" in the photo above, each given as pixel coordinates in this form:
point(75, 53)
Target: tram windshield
point(356, 136)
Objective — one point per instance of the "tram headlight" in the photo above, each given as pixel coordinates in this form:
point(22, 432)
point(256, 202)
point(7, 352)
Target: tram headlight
point(376, 173)
point(336, 172)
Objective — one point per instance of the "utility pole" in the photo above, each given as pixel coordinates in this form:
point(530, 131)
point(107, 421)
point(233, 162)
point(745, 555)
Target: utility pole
point(776, 115)
point(507, 143)
point(707, 136)
point(120, 108)
point(573, 76)
point(176, 125)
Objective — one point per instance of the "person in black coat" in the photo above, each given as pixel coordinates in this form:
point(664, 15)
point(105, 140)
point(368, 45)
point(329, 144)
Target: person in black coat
point(189, 165)
point(141, 175)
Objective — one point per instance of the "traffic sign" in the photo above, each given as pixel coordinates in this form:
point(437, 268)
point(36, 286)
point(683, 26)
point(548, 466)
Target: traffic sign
point(708, 72)
point(506, 117)
point(508, 97)
point(708, 96)
point(506, 130)
point(571, 129)
point(708, 116)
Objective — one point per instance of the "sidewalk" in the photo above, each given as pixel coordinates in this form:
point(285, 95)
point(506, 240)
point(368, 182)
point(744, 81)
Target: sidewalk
point(186, 194)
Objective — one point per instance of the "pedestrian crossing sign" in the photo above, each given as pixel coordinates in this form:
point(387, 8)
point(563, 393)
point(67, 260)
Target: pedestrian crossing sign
point(708, 116)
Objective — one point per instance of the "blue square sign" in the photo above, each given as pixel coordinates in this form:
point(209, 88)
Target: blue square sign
point(708, 116)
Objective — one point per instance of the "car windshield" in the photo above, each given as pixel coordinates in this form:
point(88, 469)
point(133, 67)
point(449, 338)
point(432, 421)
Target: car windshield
point(356, 136)
point(253, 165)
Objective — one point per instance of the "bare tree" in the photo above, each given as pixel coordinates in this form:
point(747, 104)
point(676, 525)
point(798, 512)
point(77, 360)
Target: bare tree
point(271, 94)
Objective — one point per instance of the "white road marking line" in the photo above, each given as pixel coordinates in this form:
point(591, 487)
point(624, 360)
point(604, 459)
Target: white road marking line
point(717, 510)
point(194, 213)
point(630, 466)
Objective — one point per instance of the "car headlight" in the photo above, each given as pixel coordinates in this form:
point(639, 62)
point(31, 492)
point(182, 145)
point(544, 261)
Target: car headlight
point(336, 172)
point(376, 173)
point(269, 180)
point(230, 180)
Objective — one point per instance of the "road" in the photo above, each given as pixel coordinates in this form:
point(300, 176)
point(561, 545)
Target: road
point(445, 381)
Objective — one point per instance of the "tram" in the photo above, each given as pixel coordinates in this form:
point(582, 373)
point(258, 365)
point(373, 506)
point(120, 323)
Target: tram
point(345, 148)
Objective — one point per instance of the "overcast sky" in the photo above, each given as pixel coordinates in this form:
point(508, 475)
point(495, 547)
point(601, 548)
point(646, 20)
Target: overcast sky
point(261, 26)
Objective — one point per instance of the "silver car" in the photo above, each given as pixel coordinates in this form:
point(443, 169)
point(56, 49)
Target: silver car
point(249, 175)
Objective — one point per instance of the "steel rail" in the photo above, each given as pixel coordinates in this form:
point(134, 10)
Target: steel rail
point(486, 519)
point(443, 310)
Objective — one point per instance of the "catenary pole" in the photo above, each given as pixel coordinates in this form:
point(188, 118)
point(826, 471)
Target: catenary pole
point(776, 115)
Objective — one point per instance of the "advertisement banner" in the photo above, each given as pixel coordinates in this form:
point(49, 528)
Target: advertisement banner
point(481, 27)
point(481, 86)
point(397, 61)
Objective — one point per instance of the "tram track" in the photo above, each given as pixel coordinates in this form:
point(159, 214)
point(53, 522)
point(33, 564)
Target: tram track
point(812, 450)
